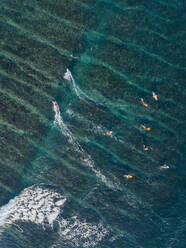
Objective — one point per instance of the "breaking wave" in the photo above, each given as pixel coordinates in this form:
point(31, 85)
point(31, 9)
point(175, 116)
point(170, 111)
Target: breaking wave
point(44, 206)
point(80, 233)
point(34, 204)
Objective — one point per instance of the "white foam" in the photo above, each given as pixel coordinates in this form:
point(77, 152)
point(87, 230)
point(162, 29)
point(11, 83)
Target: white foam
point(60, 202)
point(97, 129)
point(53, 215)
point(34, 204)
point(68, 76)
point(5, 211)
point(80, 232)
point(85, 157)
point(59, 121)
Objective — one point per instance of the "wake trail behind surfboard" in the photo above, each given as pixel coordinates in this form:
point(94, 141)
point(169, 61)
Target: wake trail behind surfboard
point(86, 158)
point(68, 76)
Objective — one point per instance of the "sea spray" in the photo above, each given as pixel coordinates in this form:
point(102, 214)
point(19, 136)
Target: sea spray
point(86, 158)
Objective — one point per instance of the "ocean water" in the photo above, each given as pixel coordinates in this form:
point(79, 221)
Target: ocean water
point(62, 181)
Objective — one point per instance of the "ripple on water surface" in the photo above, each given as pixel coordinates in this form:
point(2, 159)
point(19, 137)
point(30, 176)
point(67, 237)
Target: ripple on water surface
point(63, 170)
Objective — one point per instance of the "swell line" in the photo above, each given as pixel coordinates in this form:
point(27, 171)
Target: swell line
point(26, 105)
point(37, 37)
point(40, 148)
point(117, 158)
point(29, 15)
point(8, 189)
point(168, 4)
point(114, 110)
point(42, 93)
point(149, 31)
point(86, 158)
point(16, 59)
point(141, 49)
point(140, 8)
point(11, 165)
point(12, 127)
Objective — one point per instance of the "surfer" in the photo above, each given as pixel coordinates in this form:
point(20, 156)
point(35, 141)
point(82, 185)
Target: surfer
point(155, 96)
point(164, 166)
point(109, 133)
point(146, 148)
point(74, 56)
point(145, 128)
point(144, 103)
point(56, 106)
point(128, 176)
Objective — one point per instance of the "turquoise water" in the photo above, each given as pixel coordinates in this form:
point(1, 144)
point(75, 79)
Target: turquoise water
point(61, 175)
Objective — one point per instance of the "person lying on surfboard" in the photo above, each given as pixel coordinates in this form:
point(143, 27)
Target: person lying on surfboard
point(128, 176)
point(146, 148)
point(144, 103)
point(145, 128)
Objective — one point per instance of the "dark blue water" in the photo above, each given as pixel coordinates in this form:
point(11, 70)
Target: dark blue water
point(63, 177)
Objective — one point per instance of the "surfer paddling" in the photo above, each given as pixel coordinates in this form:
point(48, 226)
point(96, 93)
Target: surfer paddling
point(164, 166)
point(144, 103)
point(109, 133)
point(145, 128)
point(146, 148)
point(128, 176)
point(74, 56)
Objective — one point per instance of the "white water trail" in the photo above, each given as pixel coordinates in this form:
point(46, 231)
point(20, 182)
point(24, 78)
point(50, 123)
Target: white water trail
point(92, 127)
point(59, 121)
point(86, 158)
point(68, 76)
